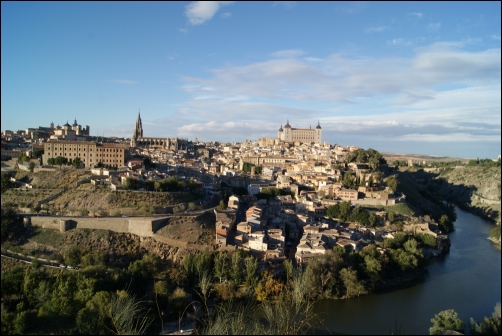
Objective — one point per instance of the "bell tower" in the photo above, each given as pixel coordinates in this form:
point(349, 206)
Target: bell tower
point(138, 131)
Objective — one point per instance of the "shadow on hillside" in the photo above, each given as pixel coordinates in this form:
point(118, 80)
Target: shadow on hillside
point(430, 194)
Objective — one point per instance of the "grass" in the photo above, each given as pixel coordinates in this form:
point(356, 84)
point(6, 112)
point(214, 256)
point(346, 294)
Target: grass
point(27, 197)
point(48, 237)
point(400, 208)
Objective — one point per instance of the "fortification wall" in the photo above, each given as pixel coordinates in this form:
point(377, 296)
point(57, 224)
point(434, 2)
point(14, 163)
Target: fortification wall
point(141, 227)
point(46, 222)
point(116, 224)
point(50, 198)
point(373, 201)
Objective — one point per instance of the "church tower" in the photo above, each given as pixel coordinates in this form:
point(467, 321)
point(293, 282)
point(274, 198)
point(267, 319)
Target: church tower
point(138, 131)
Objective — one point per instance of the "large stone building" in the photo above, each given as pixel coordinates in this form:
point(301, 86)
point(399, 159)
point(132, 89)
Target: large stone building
point(138, 140)
point(289, 134)
point(91, 153)
point(70, 132)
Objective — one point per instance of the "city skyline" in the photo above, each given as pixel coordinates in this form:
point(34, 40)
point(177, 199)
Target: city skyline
point(410, 77)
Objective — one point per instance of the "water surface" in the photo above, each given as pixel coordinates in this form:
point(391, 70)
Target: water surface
point(467, 280)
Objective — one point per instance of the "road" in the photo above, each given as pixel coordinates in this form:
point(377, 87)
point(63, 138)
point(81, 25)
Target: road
point(28, 260)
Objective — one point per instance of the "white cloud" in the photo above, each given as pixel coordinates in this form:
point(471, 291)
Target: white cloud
point(434, 26)
point(399, 42)
point(290, 53)
point(339, 79)
point(199, 12)
point(443, 92)
point(496, 37)
point(123, 81)
point(418, 15)
point(285, 4)
point(183, 30)
point(313, 59)
point(226, 15)
point(378, 29)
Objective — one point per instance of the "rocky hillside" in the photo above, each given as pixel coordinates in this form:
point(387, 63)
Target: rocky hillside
point(172, 243)
point(60, 179)
point(476, 188)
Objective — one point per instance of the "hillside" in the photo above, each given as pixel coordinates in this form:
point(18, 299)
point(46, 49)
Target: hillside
point(87, 198)
point(119, 248)
point(59, 179)
point(475, 188)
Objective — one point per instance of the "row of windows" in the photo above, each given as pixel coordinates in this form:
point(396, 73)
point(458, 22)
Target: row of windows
point(113, 150)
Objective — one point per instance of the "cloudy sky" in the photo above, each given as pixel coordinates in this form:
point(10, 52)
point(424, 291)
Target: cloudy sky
point(408, 77)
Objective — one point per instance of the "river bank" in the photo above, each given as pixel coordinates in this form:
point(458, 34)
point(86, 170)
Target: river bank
point(468, 279)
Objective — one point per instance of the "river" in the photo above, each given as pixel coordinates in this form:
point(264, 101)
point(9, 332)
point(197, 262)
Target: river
point(468, 280)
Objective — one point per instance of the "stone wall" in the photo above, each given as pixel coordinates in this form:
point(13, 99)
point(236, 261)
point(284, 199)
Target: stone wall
point(86, 180)
point(373, 201)
point(50, 198)
point(45, 222)
point(141, 226)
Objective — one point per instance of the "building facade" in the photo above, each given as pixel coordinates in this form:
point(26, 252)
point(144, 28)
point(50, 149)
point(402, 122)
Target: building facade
point(289, 134)
point(91, 153)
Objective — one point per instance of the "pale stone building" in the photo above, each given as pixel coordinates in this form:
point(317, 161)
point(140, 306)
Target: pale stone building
point(289, 134)
point(91, 153)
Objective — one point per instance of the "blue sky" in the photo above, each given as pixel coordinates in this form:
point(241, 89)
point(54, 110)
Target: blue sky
point(408, 77)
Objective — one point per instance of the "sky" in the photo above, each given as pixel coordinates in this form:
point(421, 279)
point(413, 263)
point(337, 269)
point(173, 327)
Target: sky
point(406, 77)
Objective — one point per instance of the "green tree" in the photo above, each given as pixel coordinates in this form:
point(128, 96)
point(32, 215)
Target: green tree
point(6, 183)
point(353, 287)
point(251, 271)
point(333, 211)
point(392, 183)
point(347, 180)
point(72, 255)
point(426, 239)
point(391, 217)
point(489, 326)
point(345, 210)
point(220, 265)
point(236, 269)
point(446, 320)
point(31, 166)
point(445, 224)
point(76, 162)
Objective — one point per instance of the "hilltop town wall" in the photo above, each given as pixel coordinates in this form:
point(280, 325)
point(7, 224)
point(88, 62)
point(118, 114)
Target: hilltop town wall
point(140, 226)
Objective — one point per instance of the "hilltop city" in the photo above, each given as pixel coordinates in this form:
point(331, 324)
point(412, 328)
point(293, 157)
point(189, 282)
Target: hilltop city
point(274, 192)
point(177, 221)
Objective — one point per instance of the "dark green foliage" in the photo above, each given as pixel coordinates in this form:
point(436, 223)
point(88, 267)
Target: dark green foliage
point(426, 239)
point(489, 325)
point(10, 223)
point(370, 156)
point(392, 183)
point(343, 211)
point(6, 183)
point(72, 255)
point(76, 162)
point(12, 282)
point(446, 320)
point(484, 163)
point(246, 168)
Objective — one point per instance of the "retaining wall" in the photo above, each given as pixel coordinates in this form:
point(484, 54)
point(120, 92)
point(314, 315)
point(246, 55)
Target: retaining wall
point(86, 180)
point(141, 226)
point(50, 198)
